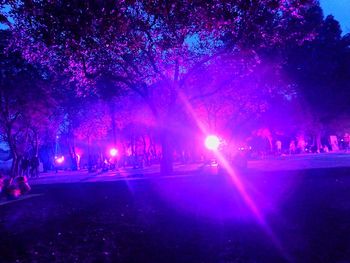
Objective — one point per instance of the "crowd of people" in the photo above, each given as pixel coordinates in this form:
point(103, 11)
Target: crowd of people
point(29, 166)
point(259, 147)
point(303, 144)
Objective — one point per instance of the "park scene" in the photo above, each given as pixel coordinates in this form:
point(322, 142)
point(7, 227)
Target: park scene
point(175, 131)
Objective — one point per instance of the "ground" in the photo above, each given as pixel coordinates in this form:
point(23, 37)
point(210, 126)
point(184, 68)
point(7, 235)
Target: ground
point(280, 216)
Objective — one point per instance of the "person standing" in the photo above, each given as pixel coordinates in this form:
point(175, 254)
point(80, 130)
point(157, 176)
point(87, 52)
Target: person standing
point(24, 166)
point(346, 142)
point(292, 147)
point(34, 167)
point(278, 147)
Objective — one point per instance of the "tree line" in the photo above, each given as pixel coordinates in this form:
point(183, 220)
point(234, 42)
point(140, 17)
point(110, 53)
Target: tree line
point(160, 74)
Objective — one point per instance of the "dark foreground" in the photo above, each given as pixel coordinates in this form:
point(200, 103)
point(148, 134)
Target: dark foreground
point(187, 219)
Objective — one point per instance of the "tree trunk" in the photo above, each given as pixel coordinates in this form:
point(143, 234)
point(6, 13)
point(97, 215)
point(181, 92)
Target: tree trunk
point(70, 139)
point(15, 159)
point(36, 144)
point(114, 129)
point(318, 142)
point(90, 162)
point(14, 166)
point(166, 164)
point(73, 155)
point(133, 151)
point(145, 152)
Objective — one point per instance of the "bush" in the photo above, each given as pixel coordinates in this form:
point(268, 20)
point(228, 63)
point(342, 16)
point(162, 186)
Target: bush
point(12, 189)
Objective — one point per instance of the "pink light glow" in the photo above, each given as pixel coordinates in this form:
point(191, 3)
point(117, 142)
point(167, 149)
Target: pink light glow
point(113, 152)
point(59, 160)
point(212, 142)
point(78, 151)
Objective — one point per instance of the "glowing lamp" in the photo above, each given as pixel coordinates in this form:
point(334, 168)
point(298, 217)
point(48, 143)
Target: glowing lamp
point(59, 160)
point(212, 142)
point(113, 152)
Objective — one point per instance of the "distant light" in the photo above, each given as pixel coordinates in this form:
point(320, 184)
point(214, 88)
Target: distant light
point(113, 152)
point(212, 142)
point(59, 160)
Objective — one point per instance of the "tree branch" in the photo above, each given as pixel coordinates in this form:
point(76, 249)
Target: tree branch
point(201, 63)
point(206, 94)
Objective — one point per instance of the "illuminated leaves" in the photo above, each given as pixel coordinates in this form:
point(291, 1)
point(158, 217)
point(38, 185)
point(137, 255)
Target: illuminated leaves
point(93, 121)
point(141, 40)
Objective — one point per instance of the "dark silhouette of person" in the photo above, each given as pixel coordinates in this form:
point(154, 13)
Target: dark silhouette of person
point(34, 167)
point(24, 166)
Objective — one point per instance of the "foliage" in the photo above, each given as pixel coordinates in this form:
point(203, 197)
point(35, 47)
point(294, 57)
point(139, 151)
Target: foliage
point(141, 44)
point(94, 122)
point(320, 68)
point(26, 105)
point(215, 61)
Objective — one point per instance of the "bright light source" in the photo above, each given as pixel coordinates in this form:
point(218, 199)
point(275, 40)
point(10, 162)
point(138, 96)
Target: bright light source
point(59, 160)
point(212, 142)
point(113, 152)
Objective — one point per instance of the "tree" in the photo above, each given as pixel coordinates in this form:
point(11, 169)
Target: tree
point(320, 70)
point(152, 48)
point(25, 104)
point(94, 122)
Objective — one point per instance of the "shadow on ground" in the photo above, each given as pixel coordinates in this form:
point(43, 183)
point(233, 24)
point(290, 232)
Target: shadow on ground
point(187, 219)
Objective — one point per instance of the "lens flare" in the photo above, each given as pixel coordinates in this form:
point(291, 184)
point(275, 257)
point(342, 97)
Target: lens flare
point(212, 142)
point(113, 152)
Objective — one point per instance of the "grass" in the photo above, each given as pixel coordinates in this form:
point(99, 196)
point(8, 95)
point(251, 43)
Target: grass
point(189, 219)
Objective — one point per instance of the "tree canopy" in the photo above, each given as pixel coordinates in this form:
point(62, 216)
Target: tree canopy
point(171, 64)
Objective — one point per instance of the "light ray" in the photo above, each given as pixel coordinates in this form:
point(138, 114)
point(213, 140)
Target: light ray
point(237, 182)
